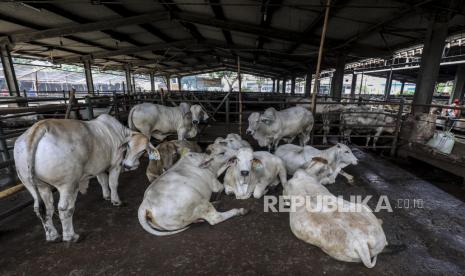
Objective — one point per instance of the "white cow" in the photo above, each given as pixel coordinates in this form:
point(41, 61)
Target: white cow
point(338, 157)
point(272, 126)
point(181, 196)
point(361, 121)
point(252, 172)
point(159, 121)
point(65, 154)
point(233, 141)
point(352, 236)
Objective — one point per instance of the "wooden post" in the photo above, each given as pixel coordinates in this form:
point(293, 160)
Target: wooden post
point(70, 103)
point(316, 88)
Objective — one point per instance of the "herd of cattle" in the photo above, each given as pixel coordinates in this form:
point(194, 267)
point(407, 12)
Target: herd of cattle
point(183, 178)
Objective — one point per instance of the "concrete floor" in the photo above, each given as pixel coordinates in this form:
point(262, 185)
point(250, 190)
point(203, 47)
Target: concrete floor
point(257, 244)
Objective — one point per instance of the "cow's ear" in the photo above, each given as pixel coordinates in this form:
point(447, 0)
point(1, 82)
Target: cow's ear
point(185, 108)
point(153, 152)
point(205, 115)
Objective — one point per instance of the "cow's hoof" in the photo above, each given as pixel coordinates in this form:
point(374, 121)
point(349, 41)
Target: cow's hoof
point(243, 211)
point(54, 239)
point(117, 203)
point(106, 198)
point(74, 238)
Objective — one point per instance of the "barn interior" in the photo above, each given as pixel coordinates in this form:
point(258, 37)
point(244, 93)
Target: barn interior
point(420, 42)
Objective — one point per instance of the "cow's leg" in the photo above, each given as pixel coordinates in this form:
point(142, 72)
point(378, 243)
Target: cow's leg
point(350, 178)
point(103, 180)
point(113, 180)
point(207, 212)
point(51, 233)
point(379, 130)
point(260, 190)
point(182, 134)
point(368, 140)
point(66, 205)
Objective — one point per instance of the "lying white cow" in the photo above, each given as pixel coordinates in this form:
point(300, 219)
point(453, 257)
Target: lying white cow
point(233, 141)
point(181, 196)
point(338, 157)
point(252, 172)
point(65, 154)
point(272, 126)
point(352, 236)
point(159, 121)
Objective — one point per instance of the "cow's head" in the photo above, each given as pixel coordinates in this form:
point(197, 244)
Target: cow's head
point(268, 117)
point(217, 157)
point(198, 114)
point(254, 119)
point(345, 156)
point(244, 164)
point(136, 143)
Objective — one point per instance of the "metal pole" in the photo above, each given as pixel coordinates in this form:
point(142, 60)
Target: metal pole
point(152, 82)
point(90, 111)
point(240, 93)
point(127, 70)
point(4, 151)
point(320, 56)
point(8, 69)
point(402, 88)
point(88, 74)
point(398, 123)
point(352, 87)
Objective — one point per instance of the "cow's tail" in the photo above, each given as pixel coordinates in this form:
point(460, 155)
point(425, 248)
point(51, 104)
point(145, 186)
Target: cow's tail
point(143, 220)
point(37, 132)
point(364, 253)
point(130, 121)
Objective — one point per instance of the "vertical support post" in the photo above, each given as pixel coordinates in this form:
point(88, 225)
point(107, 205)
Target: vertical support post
point(227, 110)
point(430, 59)
point(402, 85)
point(168, 83)
point(26, 103)
point(293, 85)
point(115, 105)
point(337, 81)
point(4, 151)
point(398, 123)
point(274, 85)
point(88, 74)
point(240, 93)
point(179, 83)
point(90, 110)
point(128, 86)
point(352, 87)
point(283, 87)
point(320, 56)
point(308, 84)
point(8, 69)
point(459, 84)
point(361, 85)
point(152, 82)
point(388, 85)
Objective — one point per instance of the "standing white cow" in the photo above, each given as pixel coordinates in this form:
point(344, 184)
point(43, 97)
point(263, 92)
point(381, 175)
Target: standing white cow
point(159, 121)
point(359, 120)
point(65, 154)
point(272, 126)
point(350, 232)
point(181, 196)
point(338, 157)
point(252, 172)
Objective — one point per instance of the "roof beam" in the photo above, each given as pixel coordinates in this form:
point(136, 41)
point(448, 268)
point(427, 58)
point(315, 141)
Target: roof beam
point(268, 8)
point(127, 51)
point(170, 6)
point(88, 27)
point(317, 23)
point(219, 14)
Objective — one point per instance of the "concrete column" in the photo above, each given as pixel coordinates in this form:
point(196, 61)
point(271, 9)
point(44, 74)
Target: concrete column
point(459, 84)
point(353, 86)
point(293, 85)
point(337, 82)
point(179, 83)
point(152, 82)
point(430, 59)
point(88, 74)
point(168, 82)
point(274, 85)
point(284, 86)
point(9, 70)
point(308, 84)
point(127, 70)
point(388, 85)
point(402, 84)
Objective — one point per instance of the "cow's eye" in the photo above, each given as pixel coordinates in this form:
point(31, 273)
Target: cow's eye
point(347, 151)
point(222, 153)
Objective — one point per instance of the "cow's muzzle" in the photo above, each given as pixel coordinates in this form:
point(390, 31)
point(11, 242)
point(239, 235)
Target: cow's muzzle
point(249, 132)
point(245, 173)
point(195, 122)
